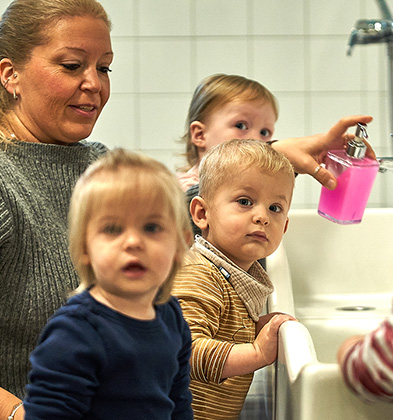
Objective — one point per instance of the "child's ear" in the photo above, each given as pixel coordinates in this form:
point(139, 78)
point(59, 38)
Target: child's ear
point(286, 225)
point(197, 131)
point(85, 259)
point(189, 238)
point(198, 212)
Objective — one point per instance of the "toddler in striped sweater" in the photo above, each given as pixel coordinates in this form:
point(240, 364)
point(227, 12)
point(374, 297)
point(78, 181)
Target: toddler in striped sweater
point(245, 194)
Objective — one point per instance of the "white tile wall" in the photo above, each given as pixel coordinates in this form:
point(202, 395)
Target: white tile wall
point(280, 63)
point(278, 17)
point(209, 57)
point(221, 17)
point(164, 17)
point(294, 47)
point(333, 17)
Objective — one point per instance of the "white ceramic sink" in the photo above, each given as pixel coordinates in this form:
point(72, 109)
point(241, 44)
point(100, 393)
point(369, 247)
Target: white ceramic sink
point(338, 281)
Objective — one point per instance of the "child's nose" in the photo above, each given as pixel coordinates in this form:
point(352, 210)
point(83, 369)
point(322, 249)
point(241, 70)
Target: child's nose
point(133, 240)
point(261, 216)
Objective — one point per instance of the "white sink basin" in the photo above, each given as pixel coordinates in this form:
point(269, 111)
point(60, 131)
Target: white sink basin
point(337, 281)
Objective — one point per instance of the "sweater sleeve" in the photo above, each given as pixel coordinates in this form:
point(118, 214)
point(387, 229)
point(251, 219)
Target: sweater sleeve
point(202, 303)
point(62, 383)
point(368, 365)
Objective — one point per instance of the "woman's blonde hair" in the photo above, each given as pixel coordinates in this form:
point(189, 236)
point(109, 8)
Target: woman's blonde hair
point(214, 92)
point(128, 178)
point(24, 26)
point(230, 158)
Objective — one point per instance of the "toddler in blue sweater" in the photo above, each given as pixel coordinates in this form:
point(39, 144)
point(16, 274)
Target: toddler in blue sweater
point(120, 347)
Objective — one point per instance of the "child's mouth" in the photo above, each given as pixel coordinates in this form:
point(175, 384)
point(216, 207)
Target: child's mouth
point(260, 236)
point(134, 268)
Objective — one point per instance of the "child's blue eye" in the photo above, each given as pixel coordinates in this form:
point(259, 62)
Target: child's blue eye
point(152, 228)
point(241, 126)
point(244, 202)
point(265, 132)
point(275, 208)
point(112, 229)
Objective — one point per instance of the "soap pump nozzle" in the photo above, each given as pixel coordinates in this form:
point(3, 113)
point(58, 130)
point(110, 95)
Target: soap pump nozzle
point(357, 148)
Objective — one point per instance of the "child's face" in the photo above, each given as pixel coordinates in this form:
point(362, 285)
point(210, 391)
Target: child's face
point(236, 120)
point(247, 217)
point(131, 248)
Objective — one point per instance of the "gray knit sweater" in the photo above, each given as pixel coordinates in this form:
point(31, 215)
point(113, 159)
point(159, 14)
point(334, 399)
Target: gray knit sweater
point(36, 272)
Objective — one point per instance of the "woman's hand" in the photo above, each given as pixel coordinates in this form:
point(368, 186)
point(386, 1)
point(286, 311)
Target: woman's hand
point(7, 402)
point(307, 153)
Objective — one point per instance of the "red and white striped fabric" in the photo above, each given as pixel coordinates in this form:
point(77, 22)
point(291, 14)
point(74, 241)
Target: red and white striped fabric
point(368, 365)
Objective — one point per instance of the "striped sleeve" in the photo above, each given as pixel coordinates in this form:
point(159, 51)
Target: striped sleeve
point(368, 365)
point(203, 301)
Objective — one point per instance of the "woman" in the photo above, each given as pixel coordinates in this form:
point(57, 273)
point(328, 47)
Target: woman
point(54, 63)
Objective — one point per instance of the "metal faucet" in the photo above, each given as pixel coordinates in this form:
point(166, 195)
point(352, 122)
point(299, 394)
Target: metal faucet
point(367, 31)
point(371, 31)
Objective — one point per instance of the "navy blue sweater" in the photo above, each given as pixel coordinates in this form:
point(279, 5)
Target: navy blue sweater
point(94, 363)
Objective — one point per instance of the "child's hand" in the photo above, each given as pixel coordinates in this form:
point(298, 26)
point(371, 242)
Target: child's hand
point(264, 319)
point(248, 357)
point(346, 345)
point(266, 341)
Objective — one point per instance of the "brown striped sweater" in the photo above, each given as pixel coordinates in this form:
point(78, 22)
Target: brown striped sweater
point(218, 319)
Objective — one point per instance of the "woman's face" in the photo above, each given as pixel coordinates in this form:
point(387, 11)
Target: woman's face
point(64, 86)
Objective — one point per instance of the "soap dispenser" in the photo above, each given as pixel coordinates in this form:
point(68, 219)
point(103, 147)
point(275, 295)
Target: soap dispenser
point(355, 174)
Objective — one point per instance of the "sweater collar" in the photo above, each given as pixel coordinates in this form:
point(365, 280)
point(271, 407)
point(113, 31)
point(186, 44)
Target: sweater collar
point(252, 286)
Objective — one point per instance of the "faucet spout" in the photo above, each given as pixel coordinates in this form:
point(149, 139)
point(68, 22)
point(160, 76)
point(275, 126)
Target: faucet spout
point(370, 31)
point(352, 41)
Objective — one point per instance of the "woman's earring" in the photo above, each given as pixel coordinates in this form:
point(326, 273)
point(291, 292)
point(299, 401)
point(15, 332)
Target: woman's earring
point(15, 75)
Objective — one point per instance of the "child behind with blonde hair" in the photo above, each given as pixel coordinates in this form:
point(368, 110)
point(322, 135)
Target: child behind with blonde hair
point(120, 347)
point(242, 210)
point(225, 107)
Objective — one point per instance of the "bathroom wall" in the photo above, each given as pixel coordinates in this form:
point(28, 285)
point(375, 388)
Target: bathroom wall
point(297, 48)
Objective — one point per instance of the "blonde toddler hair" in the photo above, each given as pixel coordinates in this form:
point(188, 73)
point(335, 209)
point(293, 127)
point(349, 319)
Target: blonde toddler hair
point(129, 178)
point(228, 159)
